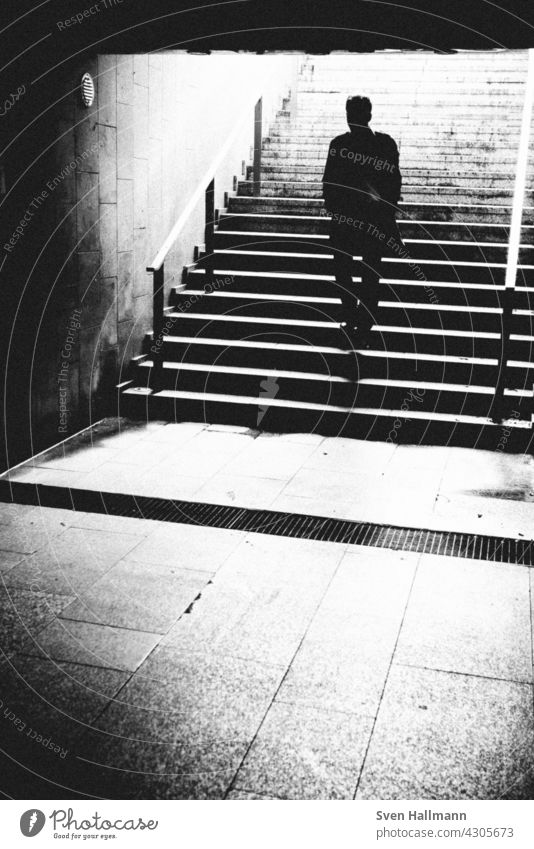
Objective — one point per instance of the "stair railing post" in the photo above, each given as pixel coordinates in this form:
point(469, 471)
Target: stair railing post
point(514, 241)
point(256, 168)
point(209, 242)
point(158, 276)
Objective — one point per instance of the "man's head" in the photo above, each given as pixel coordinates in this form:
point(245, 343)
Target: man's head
point(358, 111)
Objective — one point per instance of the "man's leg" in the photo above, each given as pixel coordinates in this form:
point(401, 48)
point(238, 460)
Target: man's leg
point(343, 271)
point(368, 292)
point(346, 290)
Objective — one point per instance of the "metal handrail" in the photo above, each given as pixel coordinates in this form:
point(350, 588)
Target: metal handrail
point(159, 259)
point(205, 187)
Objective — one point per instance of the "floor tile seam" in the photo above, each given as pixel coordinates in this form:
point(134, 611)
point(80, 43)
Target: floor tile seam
point(321, 709)
point(386, 678)
point(57, 663)
point(18, 615)
point(151, 652)
point(161, 636)
point(520, 681)
point(284, 676)
point(4, 577)
point(217, 471)
point(107, 625)
point(207, 575)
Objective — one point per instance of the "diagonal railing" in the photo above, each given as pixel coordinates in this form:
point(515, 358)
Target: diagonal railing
point(253, 111)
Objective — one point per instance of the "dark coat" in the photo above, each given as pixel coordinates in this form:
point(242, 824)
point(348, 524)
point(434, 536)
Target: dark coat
point(362, 184)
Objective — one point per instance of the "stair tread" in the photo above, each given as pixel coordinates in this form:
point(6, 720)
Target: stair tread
point(262, 401)
point(419, 221)
point(336, 325)
point(245, 319)
point(400, 305)
point(247, 370)
point(297, 200)
point(258, 297)
point(332, 378)
point(322, 349)
point(325, 237)
point(242, 343)
point(301, 275)
point(316, 256)
point(264, 296)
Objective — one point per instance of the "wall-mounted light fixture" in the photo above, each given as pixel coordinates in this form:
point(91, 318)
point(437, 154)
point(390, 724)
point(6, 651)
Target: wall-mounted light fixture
point(87, 89)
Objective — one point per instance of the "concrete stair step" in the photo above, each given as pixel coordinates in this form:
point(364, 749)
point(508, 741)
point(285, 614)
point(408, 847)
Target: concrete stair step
point(310, 262)
point(479, 82)
point(255, 352)
point(243, 287)
point(420, 311)
point(438, 159)
point(493, 65)
point(320, 225)
point(432, 100)
point(329, 389)
point(377, 362)
point(451, 178)
point(332, 116)
point(429, 123)
point(263, 304)
point(474, 296)
point(486, 137)
point(401, 76)
point(448, 185)
point(248, 381)
point(255, 281)
point(320, 320)
point(398, 94)
point(279, 294)
point(484, 126)
point(491, 252)
point(302, 284)
point(437, 145)
point(327, 335)
point(430, 194)
point(270, 341)
point(364, 423)
point(469, 211)
point(284, 350)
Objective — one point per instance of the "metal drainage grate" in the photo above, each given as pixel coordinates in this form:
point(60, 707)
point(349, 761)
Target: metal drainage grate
point(476, 546)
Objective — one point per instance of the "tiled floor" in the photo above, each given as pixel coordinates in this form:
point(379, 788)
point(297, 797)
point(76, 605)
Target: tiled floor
point(147, 659)
point(418, 486)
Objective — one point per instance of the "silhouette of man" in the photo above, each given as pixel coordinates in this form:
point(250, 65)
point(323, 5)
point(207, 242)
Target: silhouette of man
point(361, 188)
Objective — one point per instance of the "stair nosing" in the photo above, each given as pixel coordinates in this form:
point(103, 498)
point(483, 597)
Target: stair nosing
point(370, 411)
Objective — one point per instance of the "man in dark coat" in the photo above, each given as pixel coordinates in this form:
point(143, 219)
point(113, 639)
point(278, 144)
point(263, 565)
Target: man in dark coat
point(361, 189)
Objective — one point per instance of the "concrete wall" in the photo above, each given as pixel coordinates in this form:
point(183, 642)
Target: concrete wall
point(114, 179)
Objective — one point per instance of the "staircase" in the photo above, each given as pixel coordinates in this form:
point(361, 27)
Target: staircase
point(265, 348)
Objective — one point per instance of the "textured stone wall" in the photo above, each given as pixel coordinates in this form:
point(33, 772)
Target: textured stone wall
point(116, 176)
